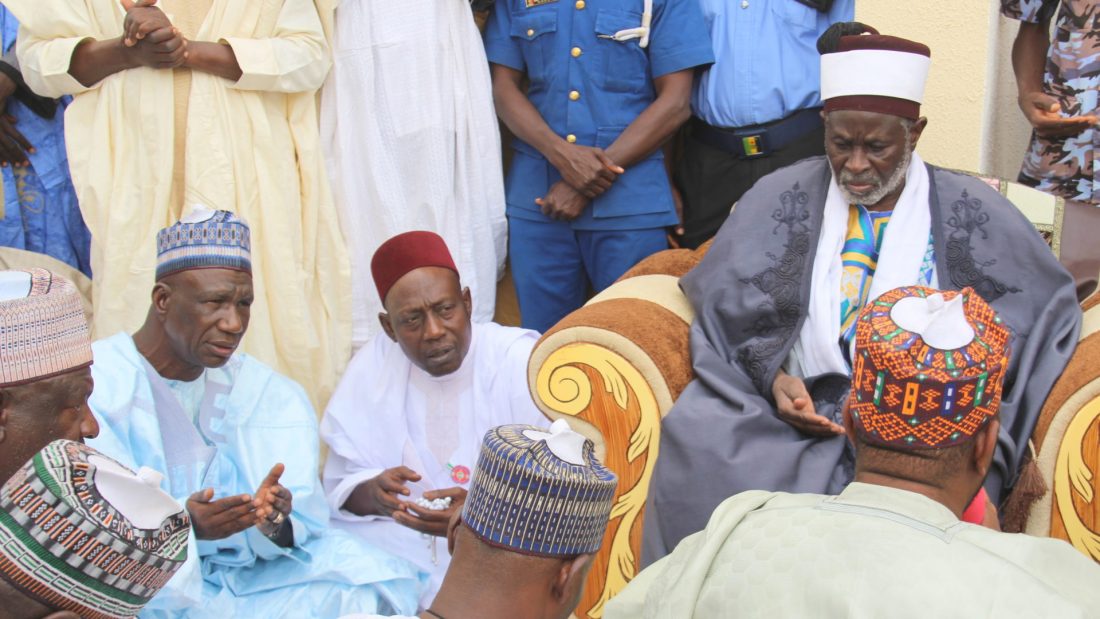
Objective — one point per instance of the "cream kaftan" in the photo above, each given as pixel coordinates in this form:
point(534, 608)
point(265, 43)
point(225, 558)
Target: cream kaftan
point(411, 140)
point(252, 148)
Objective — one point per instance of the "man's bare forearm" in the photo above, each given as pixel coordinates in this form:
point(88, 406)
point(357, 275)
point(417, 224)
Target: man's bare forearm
point(93, 60)
point(658, 122)
point(214, 58)
point(1029, 57)
point(520, 116)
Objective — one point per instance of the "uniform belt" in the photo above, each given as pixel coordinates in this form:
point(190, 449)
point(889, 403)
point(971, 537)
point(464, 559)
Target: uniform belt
point(758, 140)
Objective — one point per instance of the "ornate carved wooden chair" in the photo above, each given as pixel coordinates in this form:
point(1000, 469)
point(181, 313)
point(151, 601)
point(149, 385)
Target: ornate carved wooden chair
point(614, 368)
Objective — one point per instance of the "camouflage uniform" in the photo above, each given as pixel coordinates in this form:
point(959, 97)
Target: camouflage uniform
point(1065, 166)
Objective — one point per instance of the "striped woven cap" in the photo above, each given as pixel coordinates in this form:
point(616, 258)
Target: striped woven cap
point(525, 498)
point(929, 367)
point(43, 331)
point(80, 532)
point(204, 239)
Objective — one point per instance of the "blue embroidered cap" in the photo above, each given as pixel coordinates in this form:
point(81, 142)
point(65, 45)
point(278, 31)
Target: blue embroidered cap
point(539, 493)
point(204, 239)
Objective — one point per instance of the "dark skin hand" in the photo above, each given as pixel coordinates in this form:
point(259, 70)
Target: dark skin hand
point(580, 169)
point(222, 518)
point(794, 406)
point(562, 202)
point(272, 498)
point(588, 170)
point(1029, 52)
point(379, 495)
point(150, 40)
point(142, 19)
point(430, 521)
point(13, 146)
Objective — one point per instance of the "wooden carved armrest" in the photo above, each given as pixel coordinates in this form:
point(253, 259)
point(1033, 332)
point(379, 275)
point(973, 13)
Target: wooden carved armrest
point(613, 369)
point(1067, 443)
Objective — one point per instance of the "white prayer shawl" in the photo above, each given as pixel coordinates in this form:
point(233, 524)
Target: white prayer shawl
point(817, 350)
point(260, 419)
point(370, 426)
point(411, 141)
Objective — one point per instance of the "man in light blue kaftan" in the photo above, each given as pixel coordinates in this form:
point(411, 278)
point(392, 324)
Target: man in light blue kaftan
point(40, 212)
point(238, 442)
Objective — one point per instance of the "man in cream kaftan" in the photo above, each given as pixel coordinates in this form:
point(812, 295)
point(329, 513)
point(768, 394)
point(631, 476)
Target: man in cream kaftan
point(398, 414)
point(411, 141)
point(145, 142)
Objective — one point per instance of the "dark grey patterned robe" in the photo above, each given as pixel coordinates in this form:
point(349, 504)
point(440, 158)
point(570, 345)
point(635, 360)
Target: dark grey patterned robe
point(751, 294)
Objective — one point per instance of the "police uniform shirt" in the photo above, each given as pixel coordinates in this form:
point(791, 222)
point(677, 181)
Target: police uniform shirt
point(588, 87)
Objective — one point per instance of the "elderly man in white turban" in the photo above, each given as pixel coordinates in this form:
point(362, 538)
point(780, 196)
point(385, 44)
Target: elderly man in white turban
point(777, 296)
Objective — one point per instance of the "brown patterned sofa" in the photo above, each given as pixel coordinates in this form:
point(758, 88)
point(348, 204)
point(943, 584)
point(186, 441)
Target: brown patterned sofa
point(614, 368)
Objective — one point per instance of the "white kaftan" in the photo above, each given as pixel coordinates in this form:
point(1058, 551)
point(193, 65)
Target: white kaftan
point(377, 420)
point(412, 143)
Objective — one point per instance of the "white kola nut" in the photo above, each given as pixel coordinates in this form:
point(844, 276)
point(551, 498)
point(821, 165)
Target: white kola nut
point(434, 504)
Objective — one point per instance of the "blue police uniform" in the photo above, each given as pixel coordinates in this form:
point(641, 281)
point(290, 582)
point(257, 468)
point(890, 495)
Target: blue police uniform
point(756, 109)
point(588, 88)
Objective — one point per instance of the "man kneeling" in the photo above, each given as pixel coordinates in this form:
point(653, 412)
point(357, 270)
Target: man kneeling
point(892, 543)
point(414, 402)
point(237, 441)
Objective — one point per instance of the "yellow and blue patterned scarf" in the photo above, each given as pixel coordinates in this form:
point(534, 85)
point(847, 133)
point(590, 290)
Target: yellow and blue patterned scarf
point(859, 257)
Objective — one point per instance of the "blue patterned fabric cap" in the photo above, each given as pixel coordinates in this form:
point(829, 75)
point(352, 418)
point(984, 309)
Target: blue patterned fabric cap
point(525, 497)
point(204, 239)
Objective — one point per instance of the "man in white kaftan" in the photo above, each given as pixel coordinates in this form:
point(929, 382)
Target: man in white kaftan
point(232, 125)
point(411, 141)
point(417, 418)
point(237, 442)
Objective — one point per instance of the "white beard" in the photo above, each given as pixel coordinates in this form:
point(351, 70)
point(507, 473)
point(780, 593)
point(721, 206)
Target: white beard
point(897, 177)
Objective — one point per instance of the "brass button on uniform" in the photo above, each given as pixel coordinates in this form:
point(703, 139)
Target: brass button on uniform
point(576, 51)
point(571, 138)
point(530, 32)
point(574, 95)
point(580, 4)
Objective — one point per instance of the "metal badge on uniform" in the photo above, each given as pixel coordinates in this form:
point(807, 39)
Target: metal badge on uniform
point(534, 3)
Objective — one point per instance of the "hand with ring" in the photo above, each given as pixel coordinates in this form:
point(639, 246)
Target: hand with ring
point(273, 503)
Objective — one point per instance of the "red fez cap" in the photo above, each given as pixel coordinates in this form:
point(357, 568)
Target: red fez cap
point(407, 252)
point(875, 73)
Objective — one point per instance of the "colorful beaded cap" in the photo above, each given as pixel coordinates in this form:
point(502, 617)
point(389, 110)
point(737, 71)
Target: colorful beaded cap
point(906, 393)
point(204, 239)
point(64, 544)
point(44, 333)
point(526, 499)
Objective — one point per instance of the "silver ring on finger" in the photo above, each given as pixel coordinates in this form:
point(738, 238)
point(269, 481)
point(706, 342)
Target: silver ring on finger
point(278, 519)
